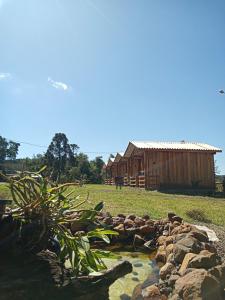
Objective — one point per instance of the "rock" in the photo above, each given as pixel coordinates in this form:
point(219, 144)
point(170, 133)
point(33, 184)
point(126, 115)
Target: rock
point(146, 217)
point(198, 284)
point(186, 261)
point(173, 278)
point(125, 297)
point(179, 237)
point(138, 240)
point(179, 252)
point(169, 249)
point(135, 279)
point(132, 231)
point(199, 235)
point(176, 219)
point(149, 222)
point(219, 273)
point(210, 247)
point(121, 216)
point(128, 223)
point(171, 215)
point(136, 295)
point(162, 240)
point(165, 232)
point(131, 217)
point(145, 229)
point(138, 265)
point(184, 228)
point(176, 224)
point(170, 258)
point(151, 293)
point(191, 243)
point(204, 260)
point(184, 246)
point(108, 220)
point(169, 240)
point(161, 255)
point(166, 270)
point(139, 222)
point(117, 221)
point(119, 228)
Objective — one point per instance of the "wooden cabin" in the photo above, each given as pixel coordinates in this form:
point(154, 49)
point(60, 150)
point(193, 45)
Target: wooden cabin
point(111, 171)
point(171, 165)
point(121, 164)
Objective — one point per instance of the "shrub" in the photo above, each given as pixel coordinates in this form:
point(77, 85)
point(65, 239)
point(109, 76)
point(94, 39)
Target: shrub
point(198, 215)
point(49, 210)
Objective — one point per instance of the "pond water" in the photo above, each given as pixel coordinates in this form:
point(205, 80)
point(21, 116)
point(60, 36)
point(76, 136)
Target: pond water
point(144, 271)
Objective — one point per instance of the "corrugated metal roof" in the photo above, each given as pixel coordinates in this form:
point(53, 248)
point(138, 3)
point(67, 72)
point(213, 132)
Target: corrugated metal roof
point(175, 145)
point(191, 146)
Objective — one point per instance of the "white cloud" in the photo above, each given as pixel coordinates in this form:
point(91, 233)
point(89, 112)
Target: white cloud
point(4, 76)
point(58, 85)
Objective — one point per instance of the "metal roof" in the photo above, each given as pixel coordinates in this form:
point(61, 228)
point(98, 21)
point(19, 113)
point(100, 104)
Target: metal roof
point(183, 146)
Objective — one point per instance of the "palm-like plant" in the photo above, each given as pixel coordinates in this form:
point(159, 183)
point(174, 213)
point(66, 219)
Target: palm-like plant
point(44, 211)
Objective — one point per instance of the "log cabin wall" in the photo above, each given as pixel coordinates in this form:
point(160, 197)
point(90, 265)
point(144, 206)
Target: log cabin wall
point(122, 168)
point(114, 170)
point(176, 169)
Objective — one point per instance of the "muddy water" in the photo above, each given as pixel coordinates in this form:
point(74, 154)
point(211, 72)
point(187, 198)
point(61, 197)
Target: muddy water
point(144, 271)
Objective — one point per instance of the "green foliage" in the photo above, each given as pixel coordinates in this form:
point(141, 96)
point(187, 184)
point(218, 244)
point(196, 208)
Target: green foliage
point(8, 149)
point(63, 162)
point(53, 209)
point(198, 215)
point(58, 155)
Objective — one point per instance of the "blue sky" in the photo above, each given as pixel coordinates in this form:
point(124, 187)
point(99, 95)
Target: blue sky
point(106, 72)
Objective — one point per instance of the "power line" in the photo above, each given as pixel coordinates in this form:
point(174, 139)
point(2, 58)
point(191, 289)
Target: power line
point(85, 152)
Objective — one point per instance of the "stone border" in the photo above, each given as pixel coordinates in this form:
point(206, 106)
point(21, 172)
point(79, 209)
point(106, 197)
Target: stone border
point(191, 269)
point(190, 265)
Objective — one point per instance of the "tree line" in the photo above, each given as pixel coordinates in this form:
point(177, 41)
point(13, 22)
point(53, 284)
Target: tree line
point(62, 159)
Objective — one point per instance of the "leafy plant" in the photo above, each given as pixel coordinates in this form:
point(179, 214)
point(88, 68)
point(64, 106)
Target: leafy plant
point(51, 210)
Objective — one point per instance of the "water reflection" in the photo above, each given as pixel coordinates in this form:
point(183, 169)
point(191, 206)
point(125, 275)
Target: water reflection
point(143, 271)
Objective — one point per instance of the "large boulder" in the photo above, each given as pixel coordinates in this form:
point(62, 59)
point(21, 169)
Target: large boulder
point(184, 246)
point(161, 254)
point(199, 235)
point(188, 257)
point(204, 260)
point(198, 284)
point(167, 269)
point(151, 292)
point(169, 249)
point(219, 273)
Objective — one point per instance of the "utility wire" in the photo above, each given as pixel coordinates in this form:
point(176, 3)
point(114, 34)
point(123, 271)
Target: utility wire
point(85, 152)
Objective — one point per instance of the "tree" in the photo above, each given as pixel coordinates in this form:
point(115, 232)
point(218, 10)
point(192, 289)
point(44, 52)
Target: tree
point(12, 150)
point(97, 170)
point(58, 155)
point(3, 149)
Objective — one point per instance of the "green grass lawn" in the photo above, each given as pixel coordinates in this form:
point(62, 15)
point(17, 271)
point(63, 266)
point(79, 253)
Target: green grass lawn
point(140, 202)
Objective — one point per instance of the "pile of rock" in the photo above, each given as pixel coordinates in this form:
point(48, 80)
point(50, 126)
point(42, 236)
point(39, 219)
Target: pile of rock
point(137, 230)
point(191, 267)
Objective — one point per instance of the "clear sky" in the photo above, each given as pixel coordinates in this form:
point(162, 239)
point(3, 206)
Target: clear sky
point(108, 71)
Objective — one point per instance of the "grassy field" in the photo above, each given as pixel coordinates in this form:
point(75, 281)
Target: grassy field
point(137, 201)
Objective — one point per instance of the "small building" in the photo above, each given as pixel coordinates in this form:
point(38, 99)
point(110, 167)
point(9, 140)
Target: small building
point(111, 171)
point(171, 165)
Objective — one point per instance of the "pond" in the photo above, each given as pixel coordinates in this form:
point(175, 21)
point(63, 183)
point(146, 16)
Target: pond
point(145, 271)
